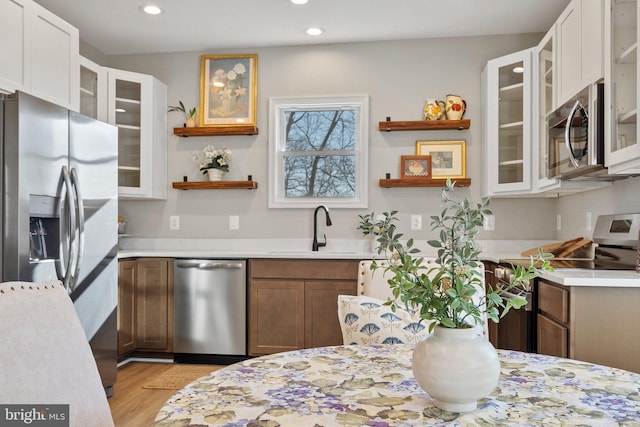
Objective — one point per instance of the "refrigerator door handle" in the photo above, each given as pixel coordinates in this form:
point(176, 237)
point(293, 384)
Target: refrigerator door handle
point(79, 212)
point(67, 235)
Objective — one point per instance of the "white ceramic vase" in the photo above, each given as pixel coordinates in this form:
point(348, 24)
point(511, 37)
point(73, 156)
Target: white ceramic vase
point(456, 367)
point(215, 174)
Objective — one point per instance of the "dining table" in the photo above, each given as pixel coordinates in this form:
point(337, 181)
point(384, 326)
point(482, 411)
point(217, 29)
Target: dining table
point(373, 385)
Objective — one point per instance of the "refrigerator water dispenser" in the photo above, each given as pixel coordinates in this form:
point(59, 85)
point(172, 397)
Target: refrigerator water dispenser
point(44, 229)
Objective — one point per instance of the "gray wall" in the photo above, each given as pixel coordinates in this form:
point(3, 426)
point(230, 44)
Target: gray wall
point(622, 197)
point(398, 75)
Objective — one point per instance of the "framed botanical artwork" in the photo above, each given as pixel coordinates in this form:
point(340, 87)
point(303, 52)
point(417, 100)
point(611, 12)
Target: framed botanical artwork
point(448, 158)
point(415, 167)
point(228, 90)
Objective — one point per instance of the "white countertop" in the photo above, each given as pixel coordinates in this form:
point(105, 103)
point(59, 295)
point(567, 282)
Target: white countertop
point(243, 248)
point(492, 250)
point(586, 277)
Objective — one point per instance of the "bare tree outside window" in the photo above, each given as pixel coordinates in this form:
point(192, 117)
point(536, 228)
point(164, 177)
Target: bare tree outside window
point(318, 150)
point(319, 157)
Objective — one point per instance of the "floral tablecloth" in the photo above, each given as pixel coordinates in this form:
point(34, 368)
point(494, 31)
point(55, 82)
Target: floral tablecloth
point(374, 386)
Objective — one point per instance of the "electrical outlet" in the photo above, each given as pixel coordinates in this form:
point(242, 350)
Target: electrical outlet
point(416, 222)
point(489, 223)
point(174, 223)
point(234, 222)
point(558, 222)
point(588, 221)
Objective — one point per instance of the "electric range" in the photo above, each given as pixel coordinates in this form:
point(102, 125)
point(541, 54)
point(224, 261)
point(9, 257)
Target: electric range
point(616, 240)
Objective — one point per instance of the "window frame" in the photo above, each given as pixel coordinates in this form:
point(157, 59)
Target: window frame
point(278, 107)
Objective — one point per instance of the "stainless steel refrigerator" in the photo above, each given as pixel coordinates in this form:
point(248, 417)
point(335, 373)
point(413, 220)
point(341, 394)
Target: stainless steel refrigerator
point(59, 212)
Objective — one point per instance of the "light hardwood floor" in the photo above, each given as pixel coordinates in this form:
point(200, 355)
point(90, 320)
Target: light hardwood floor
point(134, 406)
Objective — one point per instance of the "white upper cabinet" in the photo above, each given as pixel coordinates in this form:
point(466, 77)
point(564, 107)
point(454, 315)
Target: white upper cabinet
point(547, 76)
point(39, 53)
point(93, 90)
point(13, 43)
point(507, 121)
point(137, 105)
point(580, 33)
point(622, 154)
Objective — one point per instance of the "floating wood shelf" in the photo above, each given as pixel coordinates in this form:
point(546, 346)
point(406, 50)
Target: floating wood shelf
point(216, 131)
point(419, 182)
point(389, 126)
point(216, 185)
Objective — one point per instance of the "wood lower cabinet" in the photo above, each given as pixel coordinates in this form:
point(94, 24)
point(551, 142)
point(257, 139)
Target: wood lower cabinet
point(276, 316)
point(597, 324)
point(154, 304)
point(552, 337)
point(490, 282)
point(293, 304)
point(511, 332)
point(145, 305)
point(553, 320)
point(321, 324)
point(127, 337)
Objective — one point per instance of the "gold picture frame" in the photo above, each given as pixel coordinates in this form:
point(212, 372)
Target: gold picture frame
point(448, 158)
point(412, 167)
point(228, 90)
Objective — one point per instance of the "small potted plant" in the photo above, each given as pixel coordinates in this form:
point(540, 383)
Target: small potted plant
point(213, 162)
point(456, 365)
point(190, 116)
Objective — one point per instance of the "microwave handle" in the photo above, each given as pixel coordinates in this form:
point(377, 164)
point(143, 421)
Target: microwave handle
point(567, 134)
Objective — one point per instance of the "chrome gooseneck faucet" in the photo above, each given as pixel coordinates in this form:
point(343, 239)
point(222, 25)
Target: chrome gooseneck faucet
point(317, 245)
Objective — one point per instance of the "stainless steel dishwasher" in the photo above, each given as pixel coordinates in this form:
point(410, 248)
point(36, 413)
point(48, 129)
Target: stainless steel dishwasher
point(210, 308)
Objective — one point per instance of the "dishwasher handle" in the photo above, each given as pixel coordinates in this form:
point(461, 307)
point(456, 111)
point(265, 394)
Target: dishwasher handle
point(210, 265)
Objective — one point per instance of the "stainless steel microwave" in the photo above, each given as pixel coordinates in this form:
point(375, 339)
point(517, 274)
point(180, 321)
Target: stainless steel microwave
point(575, 143)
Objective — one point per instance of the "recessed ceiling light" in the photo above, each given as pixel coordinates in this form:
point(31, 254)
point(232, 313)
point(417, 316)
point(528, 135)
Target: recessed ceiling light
point(314, 31)
point(518, 70)
point(299, 1)
point(151, 9)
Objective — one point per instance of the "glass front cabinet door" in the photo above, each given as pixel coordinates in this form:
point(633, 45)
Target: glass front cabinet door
point(93, 90)
point(507, 124)
point(621, 114)
point(137, 105)
point(546, 103)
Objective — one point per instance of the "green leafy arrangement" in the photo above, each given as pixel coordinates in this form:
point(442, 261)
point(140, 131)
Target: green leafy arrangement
point(444, 294)
point(180, 107)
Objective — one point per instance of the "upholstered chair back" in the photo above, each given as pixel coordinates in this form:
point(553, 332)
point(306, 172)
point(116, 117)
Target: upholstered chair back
point(45, 357)
point(375, 284)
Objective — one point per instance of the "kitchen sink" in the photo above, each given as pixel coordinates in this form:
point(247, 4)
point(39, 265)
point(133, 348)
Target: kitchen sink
point(310, 252)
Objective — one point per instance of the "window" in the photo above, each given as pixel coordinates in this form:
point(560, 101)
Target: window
point(318, 151)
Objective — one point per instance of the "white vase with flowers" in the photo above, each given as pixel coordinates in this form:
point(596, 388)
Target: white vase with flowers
point(456, 365)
